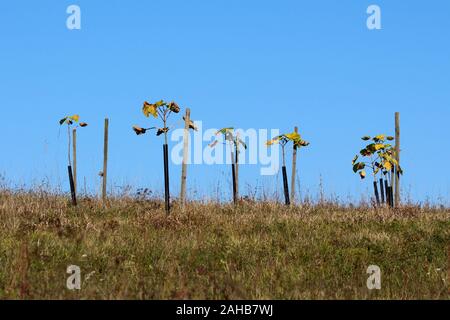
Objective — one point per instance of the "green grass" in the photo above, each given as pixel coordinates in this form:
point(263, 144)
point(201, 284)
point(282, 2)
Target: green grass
point(132, 250)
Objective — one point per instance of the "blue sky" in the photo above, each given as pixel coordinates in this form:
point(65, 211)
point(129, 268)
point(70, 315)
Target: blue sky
point(248, 64)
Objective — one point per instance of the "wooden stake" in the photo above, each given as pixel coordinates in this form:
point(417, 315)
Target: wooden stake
point(74, 145)
point(397, 157)
point(294, 169)
point(185, 158)
point(105, 160)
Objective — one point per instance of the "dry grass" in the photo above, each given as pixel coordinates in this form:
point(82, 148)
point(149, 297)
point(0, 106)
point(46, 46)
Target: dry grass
point(131, 250)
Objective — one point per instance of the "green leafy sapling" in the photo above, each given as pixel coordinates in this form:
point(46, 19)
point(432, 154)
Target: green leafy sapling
point(379, 157)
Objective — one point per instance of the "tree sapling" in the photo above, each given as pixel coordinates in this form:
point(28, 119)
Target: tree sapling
point(283, 140)
point(71, 121)
point(161, 110)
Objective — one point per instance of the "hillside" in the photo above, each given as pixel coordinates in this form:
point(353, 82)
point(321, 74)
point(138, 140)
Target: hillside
point(132, 250)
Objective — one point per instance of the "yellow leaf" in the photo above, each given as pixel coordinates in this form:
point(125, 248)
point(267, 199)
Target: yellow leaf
point(293, 136)
point(387, 165)
point(149, 109)
point(362, 174)
point(273, 141)
point(75, 118)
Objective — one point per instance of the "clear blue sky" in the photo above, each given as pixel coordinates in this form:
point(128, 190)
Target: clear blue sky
point(249, 64)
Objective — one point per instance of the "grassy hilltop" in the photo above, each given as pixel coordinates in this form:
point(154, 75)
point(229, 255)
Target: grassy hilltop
point(132, 250)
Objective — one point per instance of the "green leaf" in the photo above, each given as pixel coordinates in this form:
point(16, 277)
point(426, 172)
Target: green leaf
point(365, 152)
point(224, 130)
point(160, 103)
point(358, 166)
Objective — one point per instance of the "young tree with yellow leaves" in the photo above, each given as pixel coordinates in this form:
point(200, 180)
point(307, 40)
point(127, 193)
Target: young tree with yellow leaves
point(161, 110)
point(381, 160)
point(71, 121)
point(283, 140)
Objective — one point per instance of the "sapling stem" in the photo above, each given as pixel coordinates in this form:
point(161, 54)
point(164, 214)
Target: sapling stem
point(72, 169)
point(74, 150)
point(69, 144)
point(294, 169)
